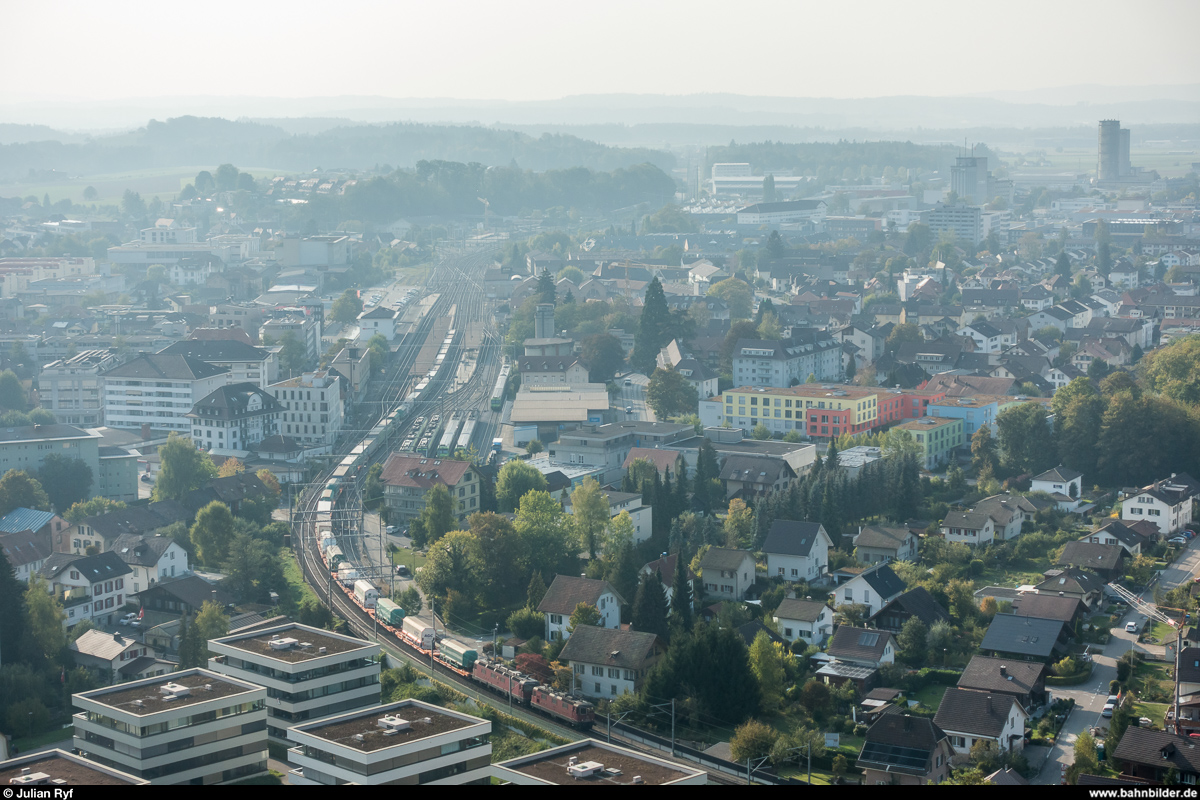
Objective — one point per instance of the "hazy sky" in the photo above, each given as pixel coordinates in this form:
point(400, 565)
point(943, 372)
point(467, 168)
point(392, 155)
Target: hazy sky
point(536, 49)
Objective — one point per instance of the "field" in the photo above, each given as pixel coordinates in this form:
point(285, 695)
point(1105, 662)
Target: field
point(1171, 163)
point(163, 183)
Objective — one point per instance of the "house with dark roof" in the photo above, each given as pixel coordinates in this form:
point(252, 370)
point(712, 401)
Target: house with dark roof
point(1025, 681)
point(184, 379)
point(234, 419)
point(245, 363)
point(865, 647)
point(877, 543)
point(610, 662)
point(797, 551)
point(1069, 610)
point(917, 603)
point(89, 587)
point(102, 530)
point(26, 552)
point(727, 574)
point(151, 558)
point(873, 588)
point(231, 490)
point(1118, 534)
point(106, 653)
point(751, 477)
point(749, 631)
point(1027, 638)
point(807, 620)
point(903, 750)
point(172, 598)
point(407, 478)
point(1149, 755)
point(1062, 484)
point(566, 592)
point(665, 568)
point(1167, 503)
point(1071, 582)
point(968, 716)
point(1106, 560)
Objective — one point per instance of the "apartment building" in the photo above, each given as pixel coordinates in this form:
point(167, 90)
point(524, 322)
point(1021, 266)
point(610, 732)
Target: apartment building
point(89, 587)
point(312, 408)
point(938, 439)
point(244, 363)
point(408, 478)
point(56, 768)
point(1166, 503)
point(788, 362)
point(591, 762)
point(308, 673)
point(158, 390)
point(405, 743)
point(71, 388)
point(234, 419)
point(192, 727)
point(607, 446)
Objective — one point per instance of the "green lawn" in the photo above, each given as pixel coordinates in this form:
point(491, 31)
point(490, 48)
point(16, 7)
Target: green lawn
point(1160, 633)
point(299, 590)
point(1157, 712)
point(409, 557)
point(26, 743)
point(930, 696)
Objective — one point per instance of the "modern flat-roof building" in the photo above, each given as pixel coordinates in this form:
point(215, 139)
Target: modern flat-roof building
point(312, 410)
point(71, 388)
point(309, 673)
point(192, 727)
point(408, 743)
point(159, 391)
point(51, 769)
point(592, 762)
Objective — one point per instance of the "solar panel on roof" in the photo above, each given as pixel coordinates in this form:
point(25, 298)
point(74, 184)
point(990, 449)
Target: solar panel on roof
point(868, 639)
point(897, 755)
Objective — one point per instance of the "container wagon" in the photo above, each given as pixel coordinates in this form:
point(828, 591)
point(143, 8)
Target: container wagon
point(347, 574)
point(335, 557)
point(456, 654)
point(418, 633)
point(388, 612)
point(366, 593)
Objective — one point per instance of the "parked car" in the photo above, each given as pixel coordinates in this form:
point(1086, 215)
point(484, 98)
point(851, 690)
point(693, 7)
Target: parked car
point(628, 382)
point(1177, 540)
point(127, 619)
point(145, 477)
point(401, 569)
point(391, 529)
point(1131, 627)
point(628, 409)
point(1108, 710)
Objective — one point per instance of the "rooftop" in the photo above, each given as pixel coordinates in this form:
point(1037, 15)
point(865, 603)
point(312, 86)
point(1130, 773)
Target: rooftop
point(147, 697)
point(295, 643)
point(362, 729)
point(619, 766)
point(62, 766)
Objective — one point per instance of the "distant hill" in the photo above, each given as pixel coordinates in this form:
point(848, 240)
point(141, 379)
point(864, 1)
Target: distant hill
point(212, 140)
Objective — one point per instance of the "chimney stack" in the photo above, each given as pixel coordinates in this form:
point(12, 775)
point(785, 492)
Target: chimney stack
point(989, 704)
point(1003, 670)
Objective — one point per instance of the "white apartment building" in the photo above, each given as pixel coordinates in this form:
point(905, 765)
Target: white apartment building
point(406, 743)
point(192, 727)
point(596, 763)
point(379, 320)
point(167, 231)
point(71, 388)
point(312, 407)
point(965, 222)
point(245, 363)
point(89, 587)
point(158, 390)
point(566, 592)
point(1166, 503)
point(234, 419)
point(780, 364)
point(306, 330)
point(309, 673)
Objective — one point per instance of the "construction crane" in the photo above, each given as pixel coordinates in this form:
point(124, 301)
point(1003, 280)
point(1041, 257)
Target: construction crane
point(1152, 612)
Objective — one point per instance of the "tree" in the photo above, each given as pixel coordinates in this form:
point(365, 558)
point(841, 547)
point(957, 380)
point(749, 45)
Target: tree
point(452, 566)
point(534, 446)
point(373, 486)
point(913, 641)
point(681, 595)
point(347, 307)
point(760, 432)
point(649, 612)
point(546, 292)
point(918, 239)
point(1078, 411)
point(546, 534)
point(737, 294)
point(1062, 265)
point(437, 517)
point(253, 570)
point(182, 469)
point(603, 355)
point(1173, 370)
point(292, 355)
point(751, 741)
point(654, 329)
point(211, 623)
point(204, 182)
point(19, 490)
point(67, 480)
point(1023, 433)
point(766, 660)
point(589, 507)
point(502, 557)
point(739, 524)
point(410, 600)
point(191, 653)
point(584, 614)
point(1087, 761)
point(45, 617)
point(226, 178)
point(12, 394)
point(983, 448)
point(769, 192)
point(669, 394)
point(516, 479)
point(740, 329)
point(133, 205)
point(230, 467)
point(1103, 248)
point(941, 636)
point(526, 623)
point(90, 194)
point(535, 592)
point(905, 332)
point(269, 480)
point(212, 533)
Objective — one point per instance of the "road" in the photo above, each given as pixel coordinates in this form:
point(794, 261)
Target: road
point(634, 396)
point(1090, 699)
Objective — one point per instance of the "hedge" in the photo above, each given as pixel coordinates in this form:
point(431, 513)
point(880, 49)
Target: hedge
point(1070, 680)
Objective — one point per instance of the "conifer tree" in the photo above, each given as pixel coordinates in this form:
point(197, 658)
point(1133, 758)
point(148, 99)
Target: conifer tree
point(681, 595)
point(649, 612)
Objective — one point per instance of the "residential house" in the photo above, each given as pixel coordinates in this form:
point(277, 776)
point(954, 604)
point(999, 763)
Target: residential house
point(640, 514)
point(552, 370)
point(171, 598)
point(107, 653)
point(1064, 485)
point(26, 552)
point(903, 750)
point(102, 530)
point(727, 574)
point(1072, 582)
point(312, 407)
point(1025, 638)
point(876, 543)
point(1106, 560)
point(665, 568)
point(1068, 610)
point(997, 517)
point(566, 592)
point(1167, 503)
point(408, 478)
point(807, 620)
point(750, 477)
point(1118, 534)
point(917, 603)
point(89, 587)
point(232, 490)
point(1024, 681)
point(234, 419)
point(610, 662)
point(874, 588)
point(159, 391)
point(379, 321)
point(797, 551)
point(865, 647)
point(779, 364)
point(968, 716)
point(151, 558)
point(1149, 755)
